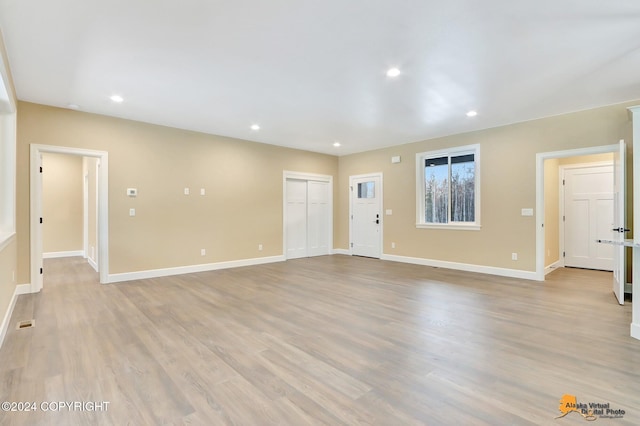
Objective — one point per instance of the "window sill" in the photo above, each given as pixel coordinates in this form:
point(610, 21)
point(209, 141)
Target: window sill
point(453, 227)
point(5, 239)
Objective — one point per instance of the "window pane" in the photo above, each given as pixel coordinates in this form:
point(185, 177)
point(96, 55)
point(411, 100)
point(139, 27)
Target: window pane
point(367, 190)
point(436, 175)
point(463, 188)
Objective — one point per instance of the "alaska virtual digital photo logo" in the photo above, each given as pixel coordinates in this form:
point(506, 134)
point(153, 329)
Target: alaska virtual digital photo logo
point(590, 411)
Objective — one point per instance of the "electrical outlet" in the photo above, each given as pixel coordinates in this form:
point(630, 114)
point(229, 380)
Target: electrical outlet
point(186, 191)
point(132, 212)
point(202, 192)
point(203, 252)
point(514, 256)
point(393, 245)
point(259, 247)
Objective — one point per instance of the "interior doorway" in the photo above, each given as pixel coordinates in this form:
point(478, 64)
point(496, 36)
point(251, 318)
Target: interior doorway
point(545, 229)
point(36, 209)
point(69, 207)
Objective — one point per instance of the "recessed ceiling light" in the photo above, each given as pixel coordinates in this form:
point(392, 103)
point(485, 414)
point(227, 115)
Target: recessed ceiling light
point(117, 98)
point(255, 127)
point(472, 113)
point(393, 72)
point(336, 144)
point(73, 106)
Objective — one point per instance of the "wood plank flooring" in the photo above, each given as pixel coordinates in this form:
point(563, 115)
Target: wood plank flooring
point(332, 340)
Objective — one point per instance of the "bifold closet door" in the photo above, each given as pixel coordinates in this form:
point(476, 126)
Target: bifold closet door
point(308, 218)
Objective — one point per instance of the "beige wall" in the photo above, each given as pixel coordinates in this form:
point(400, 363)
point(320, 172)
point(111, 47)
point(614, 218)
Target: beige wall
point(62, 203)
point(508, 184)
point(243, 181)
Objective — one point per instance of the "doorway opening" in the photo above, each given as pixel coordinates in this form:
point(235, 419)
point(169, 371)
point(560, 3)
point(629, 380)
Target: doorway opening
point(548, 238)
point(69, 207)
point(94, 166)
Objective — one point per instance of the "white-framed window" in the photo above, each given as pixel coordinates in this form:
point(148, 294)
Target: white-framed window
point(7, 162)
point(448, 188)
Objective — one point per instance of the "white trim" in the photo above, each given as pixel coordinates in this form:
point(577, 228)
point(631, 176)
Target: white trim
point(540, 157)
point(342, 251)
point(36, 152)
point(57, 254)
point(555, 265)
point(179, 270)
point(20, 289)
point(287, 174)
point(503, 272)
point(457, 226)
point(85, 207)
point(628, 288)
point(420, 190)
point(92, 263)
point(381, 205)
point(635, 330)
point(8, 203)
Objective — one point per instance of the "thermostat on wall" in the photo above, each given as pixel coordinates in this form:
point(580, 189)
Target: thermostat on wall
point(132, 192)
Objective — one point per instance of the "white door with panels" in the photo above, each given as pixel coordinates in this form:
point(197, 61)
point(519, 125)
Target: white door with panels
point(308, 218)
point(589, 216)
point(366, 215)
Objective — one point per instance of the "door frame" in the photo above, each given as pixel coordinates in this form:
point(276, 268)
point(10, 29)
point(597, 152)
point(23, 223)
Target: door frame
point(561, 173)
point(35, 185)
point(288, 174)
point(381, 206)
point(540, 158)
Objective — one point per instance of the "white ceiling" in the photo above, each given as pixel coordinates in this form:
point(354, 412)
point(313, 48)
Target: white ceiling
point(312, 72)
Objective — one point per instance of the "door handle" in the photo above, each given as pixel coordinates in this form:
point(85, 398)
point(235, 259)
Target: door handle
point(621, 229)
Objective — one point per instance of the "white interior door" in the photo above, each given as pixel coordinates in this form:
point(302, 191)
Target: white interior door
point(588, 195)
point(619, 223)
point(366, 215)
point(296, 195)
point(308, 218)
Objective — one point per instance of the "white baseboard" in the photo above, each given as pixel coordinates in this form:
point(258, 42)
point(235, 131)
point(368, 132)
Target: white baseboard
point(20, 289)
point(341, 251)
point(504, 272)
point(93, 264)
point(156, 273)
point(635, 330)
point(555, 265)
point(628, 288)
point(56, 254)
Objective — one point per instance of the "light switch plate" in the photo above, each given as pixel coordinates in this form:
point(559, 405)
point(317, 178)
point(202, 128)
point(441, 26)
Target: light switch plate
point(132, 212)
point(527, 212)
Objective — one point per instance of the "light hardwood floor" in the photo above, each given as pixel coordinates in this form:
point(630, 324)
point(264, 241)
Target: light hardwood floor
point(333, 340)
